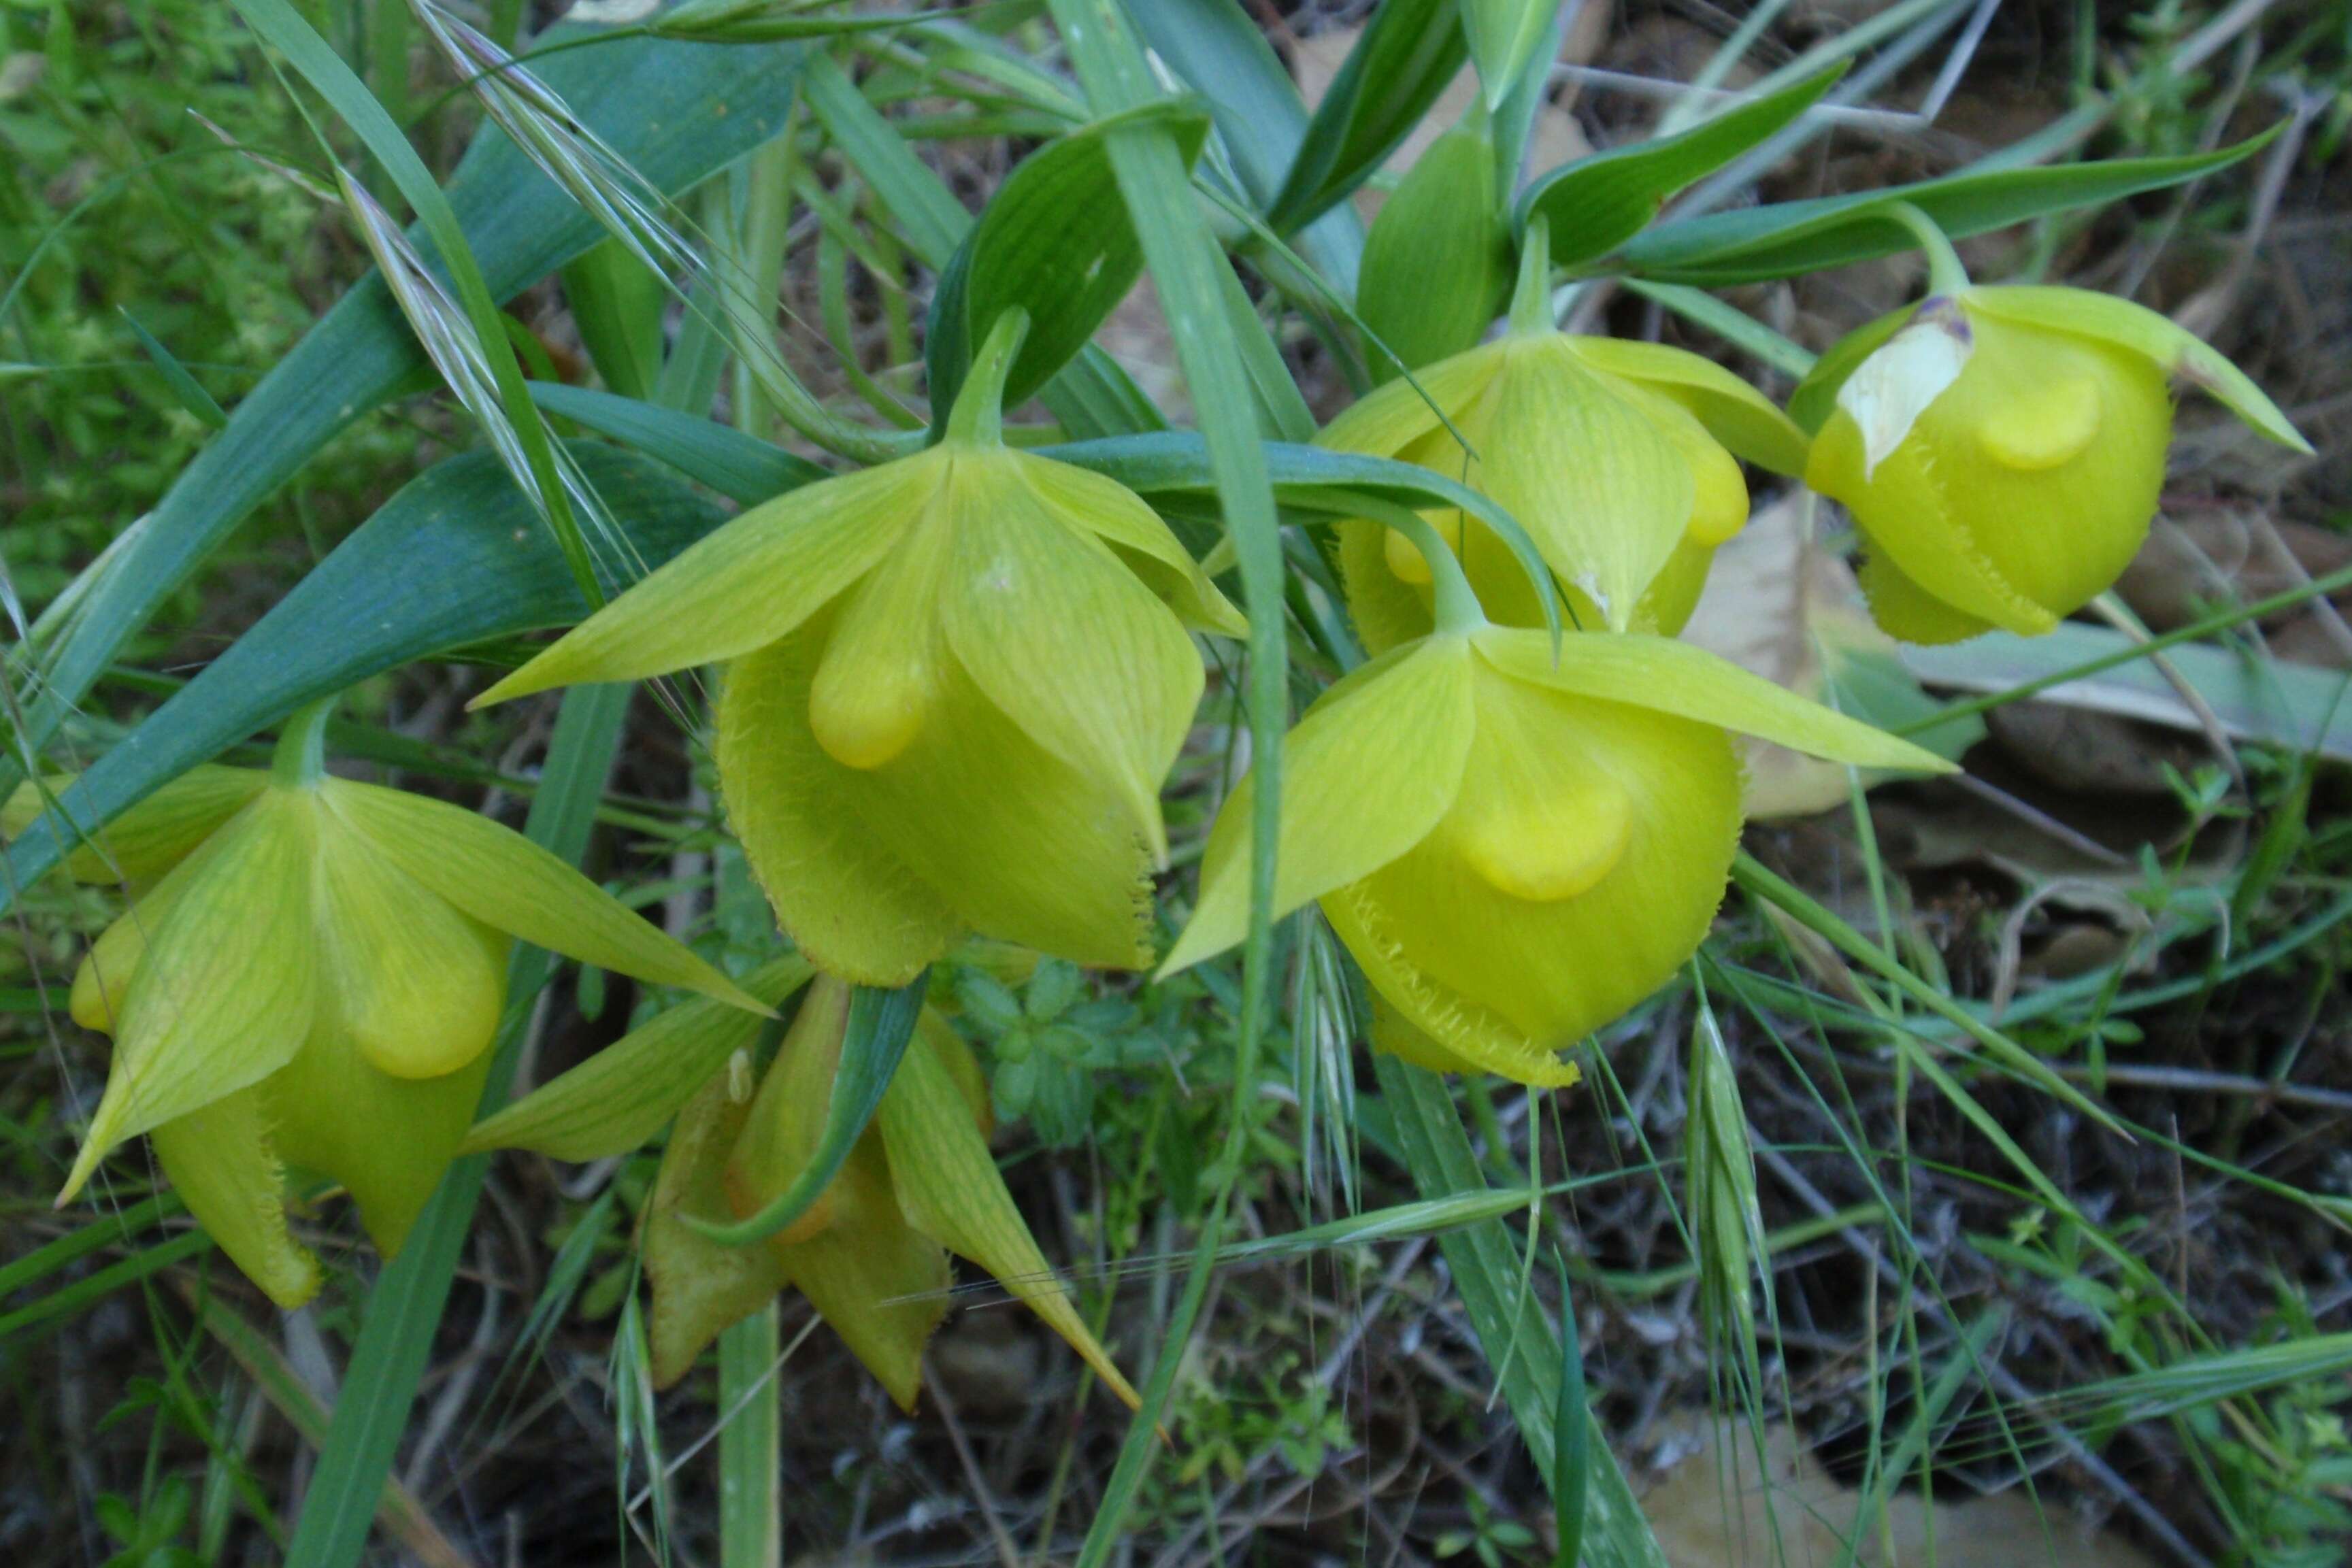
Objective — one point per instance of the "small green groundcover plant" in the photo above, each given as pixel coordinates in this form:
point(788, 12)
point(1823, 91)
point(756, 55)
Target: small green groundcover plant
point(946, 670)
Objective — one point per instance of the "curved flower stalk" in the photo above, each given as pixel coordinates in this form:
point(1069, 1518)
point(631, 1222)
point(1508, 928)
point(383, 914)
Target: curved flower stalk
point(310, 974)
point(1620, 458)
point(871, 1253)
point(1549, 844)
point(2002, 449)
point(957, 681)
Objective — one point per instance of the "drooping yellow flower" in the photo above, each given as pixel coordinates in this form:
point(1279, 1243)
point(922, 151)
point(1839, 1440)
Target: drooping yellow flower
point(957, 681)
point(2002, 449)
point(1620, 459)
point(871, 1253)
point(311, 974)
point(1516, 850)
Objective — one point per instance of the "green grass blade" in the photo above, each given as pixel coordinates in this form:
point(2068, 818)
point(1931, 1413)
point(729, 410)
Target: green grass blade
point(396, 1332)
point(676, 111)
point(741, 467)
point(1183, 260)
point(880, 1024)
point(1484, 1259)
point(455, 557)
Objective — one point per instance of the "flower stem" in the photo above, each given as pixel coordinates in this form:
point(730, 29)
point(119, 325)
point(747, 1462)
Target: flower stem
point(1453, 600)
point(1531, 299)
point(300, 759)
point(978, 417)
point(1946, 277)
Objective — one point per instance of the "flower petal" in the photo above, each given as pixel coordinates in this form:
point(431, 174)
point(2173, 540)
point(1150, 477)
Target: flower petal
point(413, 985)
point(619, 1098)
point(880, 677)
point(225, 989)
point(1021, 845)
point(386, 1139)
point(787, 1119)
point(1067, 642)
point(1815, 399)
point(1388, 612)
point(498, 877)
point(701, 1286)
point(1398, 414)
point(1902, 608)
point(850, 903)
point(1123, 520)
point(2178, 350)
point(1734, 413)
point(1366, 775)
point(220, 1163)
point(1925, 534)
point(740, 588)
point(1887, 393)
point(1604, 493)
point(142, 843)
point(1671, 678)
point(949, 1187)
point(1503, 981)
point(882, 1284)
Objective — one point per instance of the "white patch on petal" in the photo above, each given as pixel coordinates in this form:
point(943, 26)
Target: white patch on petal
point(612, 13)
point(1889, 390)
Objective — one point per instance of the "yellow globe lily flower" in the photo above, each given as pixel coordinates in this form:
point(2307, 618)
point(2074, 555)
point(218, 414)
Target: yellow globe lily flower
point(310, 974)
point(1620, 459)
point(957, 681)
point(1516, 848)
point(2002, 449)
point(871, 1253)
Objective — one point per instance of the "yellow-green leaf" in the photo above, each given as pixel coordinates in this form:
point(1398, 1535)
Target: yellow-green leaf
point(2135, 327)
point(1367, 774)
point(511, 884)
point(742, 587)
point(619, 1098)
point(949, 1187)
point(224, 994)
point(1678, 678)
point(220, 1163)
point(151, 837)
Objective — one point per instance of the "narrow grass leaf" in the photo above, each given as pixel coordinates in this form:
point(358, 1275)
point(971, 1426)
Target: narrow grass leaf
point(455, 557)
point(1788, 238)
point(186, 391)
point(1598, 203)
point(1401, 62)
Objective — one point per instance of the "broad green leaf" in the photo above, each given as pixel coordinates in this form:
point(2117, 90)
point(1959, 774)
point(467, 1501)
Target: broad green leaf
point(1217, 50)
point(1503, 36)
point(457, 557)
point(1437, 264)
point(1402, 60)
point(1053, 241)
point(676, 111)
point(616, 302)
point(743, 468)
point(880, 1024)
point(1788, 237)
point(1092, 396)
point(1597, 204)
